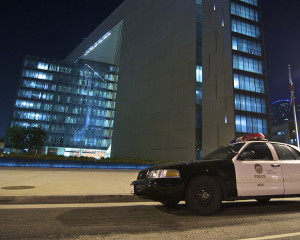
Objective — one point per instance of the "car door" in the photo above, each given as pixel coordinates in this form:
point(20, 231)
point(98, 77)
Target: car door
point(289, 160)
point(259, 175)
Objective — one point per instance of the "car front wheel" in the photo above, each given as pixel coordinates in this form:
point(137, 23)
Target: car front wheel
point(203, 195)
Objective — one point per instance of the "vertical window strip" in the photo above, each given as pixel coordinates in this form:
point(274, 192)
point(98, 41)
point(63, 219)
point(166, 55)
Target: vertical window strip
point(198, 73)
point(223, 23)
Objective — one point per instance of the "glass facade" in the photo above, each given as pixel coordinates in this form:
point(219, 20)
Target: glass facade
point(244, 11)
point(74, 103)
point(250, 103)
point(251, 124)
point(198, 79)
point(249, 77)
point(247, 64)
point(249, 83)
point(246, 46)
point(248, 29)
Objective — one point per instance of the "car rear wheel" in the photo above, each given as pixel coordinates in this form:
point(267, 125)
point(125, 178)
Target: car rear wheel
point(263, 201)
point(203, 195)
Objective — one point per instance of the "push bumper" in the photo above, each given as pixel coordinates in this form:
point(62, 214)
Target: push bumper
point(158, 189)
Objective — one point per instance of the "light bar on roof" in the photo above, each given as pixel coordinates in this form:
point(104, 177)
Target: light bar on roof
point(96, 43)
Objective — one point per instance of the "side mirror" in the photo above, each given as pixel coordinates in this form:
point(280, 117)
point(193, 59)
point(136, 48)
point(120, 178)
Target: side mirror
point(247, 155)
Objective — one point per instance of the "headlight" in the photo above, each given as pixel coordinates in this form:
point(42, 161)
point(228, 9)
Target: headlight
point(163, 173)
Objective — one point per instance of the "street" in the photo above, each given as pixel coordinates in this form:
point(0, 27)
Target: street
point(150, 220)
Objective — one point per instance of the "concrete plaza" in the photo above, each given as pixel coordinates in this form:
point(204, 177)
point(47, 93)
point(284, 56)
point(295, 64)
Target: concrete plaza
point(47, 185)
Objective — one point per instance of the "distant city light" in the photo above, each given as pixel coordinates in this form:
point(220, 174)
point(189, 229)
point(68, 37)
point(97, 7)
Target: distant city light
point(96, 43)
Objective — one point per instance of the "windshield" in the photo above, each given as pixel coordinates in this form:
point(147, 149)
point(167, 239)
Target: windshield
point(224, 153)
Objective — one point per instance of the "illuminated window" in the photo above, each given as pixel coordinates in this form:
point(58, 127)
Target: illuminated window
point(244, 12)
point(249, 124)
point(96, 44)
point(37, 74)
point(250, 103)
point(247, 64)
point(246, 46)
point(43, 66)
point(247, 83)
point(245, 28)
point(199, 73)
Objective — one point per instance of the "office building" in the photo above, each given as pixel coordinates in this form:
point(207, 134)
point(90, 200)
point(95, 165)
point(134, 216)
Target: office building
point(235, 93)
point(74, 103)
point(191, 77)
point(283, 122)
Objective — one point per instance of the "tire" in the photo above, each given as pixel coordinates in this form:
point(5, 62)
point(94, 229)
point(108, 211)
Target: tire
point(204, 195)
point(170, 203)
point(263, 201)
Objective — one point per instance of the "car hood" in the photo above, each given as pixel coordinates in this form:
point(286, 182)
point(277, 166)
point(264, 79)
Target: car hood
point(183, 164)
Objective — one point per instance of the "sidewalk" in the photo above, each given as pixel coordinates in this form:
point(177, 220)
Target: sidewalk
point(52, 185)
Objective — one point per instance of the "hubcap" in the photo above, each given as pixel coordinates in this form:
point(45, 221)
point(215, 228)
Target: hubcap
point(203, 195)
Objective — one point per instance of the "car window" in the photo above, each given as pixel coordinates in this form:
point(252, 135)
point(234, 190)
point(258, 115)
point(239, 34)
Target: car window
point(295, 152)
point(260, 149)
point(224, 153)
point(283, 152)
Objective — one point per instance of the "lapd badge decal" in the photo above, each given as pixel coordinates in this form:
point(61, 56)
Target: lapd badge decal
point(258, 168)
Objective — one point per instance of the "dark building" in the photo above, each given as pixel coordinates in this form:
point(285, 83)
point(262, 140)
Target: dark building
point(282, 121)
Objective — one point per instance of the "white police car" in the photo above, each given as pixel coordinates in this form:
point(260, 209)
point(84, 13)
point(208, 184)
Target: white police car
point(251, 168)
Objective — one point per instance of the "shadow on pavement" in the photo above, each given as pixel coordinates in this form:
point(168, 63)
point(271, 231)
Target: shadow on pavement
point(160, 218)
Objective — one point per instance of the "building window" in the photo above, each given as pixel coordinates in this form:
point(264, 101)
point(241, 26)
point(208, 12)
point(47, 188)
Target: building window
point(199, 74)
point(244, 12)
point(247, 83)
point(246, 46)
point(42, 65)
point(37, 75)
point(245, 28)
point(247, 64)
point(250, 103)
point(248, 124)
point(35, 84)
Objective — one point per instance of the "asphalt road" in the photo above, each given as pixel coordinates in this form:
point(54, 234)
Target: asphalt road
point(239, 220)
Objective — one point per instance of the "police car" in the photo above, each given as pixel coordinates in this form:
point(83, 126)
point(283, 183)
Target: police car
point(250, 168)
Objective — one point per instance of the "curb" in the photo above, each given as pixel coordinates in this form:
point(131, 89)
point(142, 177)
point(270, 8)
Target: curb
point(9, 200)
point(44, 163)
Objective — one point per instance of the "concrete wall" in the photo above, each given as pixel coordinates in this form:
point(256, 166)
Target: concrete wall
point(155, 109)
point(218, 99)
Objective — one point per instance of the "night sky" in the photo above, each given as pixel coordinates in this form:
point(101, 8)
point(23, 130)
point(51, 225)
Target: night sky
point(52, 29)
